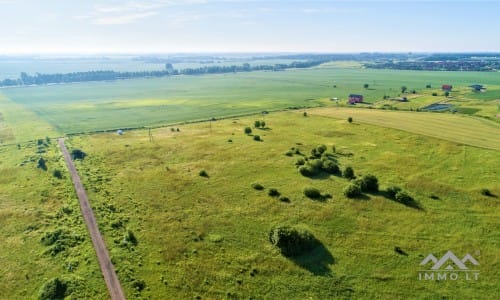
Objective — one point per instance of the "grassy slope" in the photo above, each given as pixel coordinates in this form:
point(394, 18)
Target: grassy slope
point(207, 236)
point(456, 128)
point(31, 205)
point(135, 103)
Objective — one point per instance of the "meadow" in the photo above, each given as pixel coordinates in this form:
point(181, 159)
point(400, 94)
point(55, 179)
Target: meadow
point(90, 107)
point(207, 236)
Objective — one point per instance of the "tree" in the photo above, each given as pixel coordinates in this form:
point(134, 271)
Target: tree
point(403, 89)
point(248, 130)
point(366, 85)
point(257, 124)
point(262, 124)
point(349, 119)
point(446, 94)
point(428, 86)
point(305, 114)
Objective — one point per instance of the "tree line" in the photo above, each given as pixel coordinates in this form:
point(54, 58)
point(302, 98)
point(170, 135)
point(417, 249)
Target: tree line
point(39, 78)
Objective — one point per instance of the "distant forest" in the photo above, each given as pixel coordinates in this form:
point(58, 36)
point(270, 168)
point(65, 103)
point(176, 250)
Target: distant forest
point(399, 61)
point(39, 79)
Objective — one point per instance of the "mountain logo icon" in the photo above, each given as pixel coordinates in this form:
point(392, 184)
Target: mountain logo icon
point(449, 261)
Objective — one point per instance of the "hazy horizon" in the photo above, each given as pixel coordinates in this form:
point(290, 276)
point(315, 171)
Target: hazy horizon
point(233, 26)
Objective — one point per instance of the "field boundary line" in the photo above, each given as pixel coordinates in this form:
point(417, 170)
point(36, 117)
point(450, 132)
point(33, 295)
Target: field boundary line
point(108, 271)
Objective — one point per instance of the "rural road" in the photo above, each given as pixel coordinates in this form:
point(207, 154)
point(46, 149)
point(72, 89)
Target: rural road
point(108, 271)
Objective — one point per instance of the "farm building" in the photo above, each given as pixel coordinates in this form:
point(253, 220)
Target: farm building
point(446, 87)
point(355, 98)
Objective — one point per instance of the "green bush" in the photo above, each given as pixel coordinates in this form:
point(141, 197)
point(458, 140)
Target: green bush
point(256, 138)
point(312, 192)
point(352, 191)
point(285, 199)
point(262, 124)
point(139, 284)
point(403, 197)
point(349, 173)
point(349, 119)
point(392, 191)
point(256, 124)
point(273, 192)
point(321, 149)
point(41, 164)
point(300, 162)
point(130, 238)
point(306, 170)
point(53, 289)
point(370, 183)
point(203, 173)
point(57, 174)
point(305, 114)
point(78, 154)
point(330, 167)
point(257, 186)
point(289, 153)
point(290, 241)
point(248, 130)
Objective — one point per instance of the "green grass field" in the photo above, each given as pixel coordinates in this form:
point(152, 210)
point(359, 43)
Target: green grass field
point(457, 128)
point(207, 237)
point(89, 107)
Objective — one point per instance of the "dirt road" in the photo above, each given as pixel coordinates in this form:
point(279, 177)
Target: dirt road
point(108, 271)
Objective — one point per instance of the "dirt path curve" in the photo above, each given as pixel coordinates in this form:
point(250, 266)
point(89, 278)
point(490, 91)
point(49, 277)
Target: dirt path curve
point(108, 271)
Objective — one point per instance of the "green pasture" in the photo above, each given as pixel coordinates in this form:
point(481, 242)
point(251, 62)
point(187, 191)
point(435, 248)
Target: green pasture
point(34, 204)
point(89, 107)
point(207, 236)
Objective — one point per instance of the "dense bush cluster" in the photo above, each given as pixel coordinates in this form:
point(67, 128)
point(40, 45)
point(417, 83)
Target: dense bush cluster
point(290, 241)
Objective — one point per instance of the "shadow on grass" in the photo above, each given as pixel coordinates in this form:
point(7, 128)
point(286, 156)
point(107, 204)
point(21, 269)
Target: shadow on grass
point(316, 261)
point(363, 197)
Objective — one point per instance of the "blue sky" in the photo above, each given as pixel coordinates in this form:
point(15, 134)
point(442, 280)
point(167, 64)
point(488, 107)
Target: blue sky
point(157, 26)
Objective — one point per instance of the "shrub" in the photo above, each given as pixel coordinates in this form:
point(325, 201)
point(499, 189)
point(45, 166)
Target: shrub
point(203, 173)
point(349, 119)
point(352, 191)
point(331, 167)
point(290, 241)
point(300, 162)
point(305, 114)
point(256, 124)
point(486, 192)
point(434, 94)
point(78, 154)
point(257, 186)
point(284, 199)
point(370, 183)
point(392, 191)
point(57, 174)
point(53, 289)
point(312, 192)
point(321, 149)
point(403, 197)
point(262, 124)
point(248, 130)
point(273, 192)
point(306, 170)
point(257, 138)
point(446, 94)
point(41, 164)
point(130, 238)
point(428, 86)
point(349, 173)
